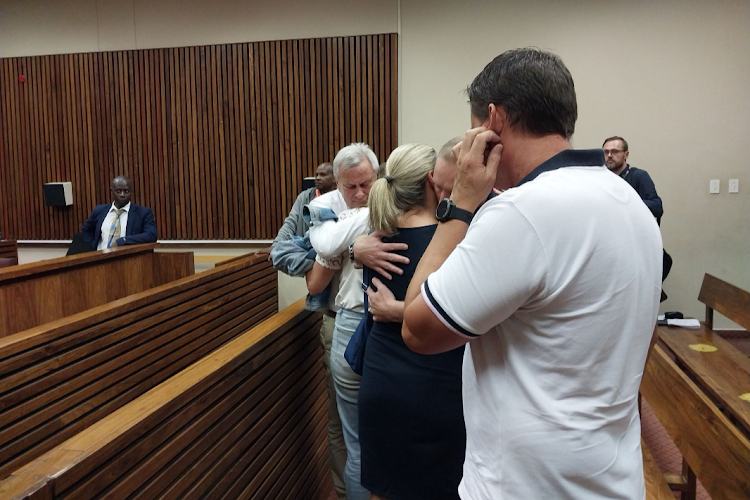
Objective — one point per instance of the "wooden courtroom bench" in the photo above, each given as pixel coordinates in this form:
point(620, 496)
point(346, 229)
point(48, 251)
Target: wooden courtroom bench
point(712, 362)
point(63, 376)
point(39, 292)
point(713, 447)
point(247, 421)
point(8, 253)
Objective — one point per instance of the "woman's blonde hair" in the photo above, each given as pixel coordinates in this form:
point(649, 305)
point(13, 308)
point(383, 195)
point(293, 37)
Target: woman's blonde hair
point(403, 187)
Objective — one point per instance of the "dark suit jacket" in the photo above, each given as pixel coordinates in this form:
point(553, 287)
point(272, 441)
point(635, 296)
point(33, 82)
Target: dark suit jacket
point(141, 226)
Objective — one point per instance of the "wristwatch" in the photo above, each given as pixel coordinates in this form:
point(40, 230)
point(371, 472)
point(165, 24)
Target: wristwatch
point(447, 210)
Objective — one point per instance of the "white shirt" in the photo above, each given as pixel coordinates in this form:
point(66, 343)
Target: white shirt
point(350, 294)
point(107, 225)
point(331, 241)
point(331, 238)
point(557, 282)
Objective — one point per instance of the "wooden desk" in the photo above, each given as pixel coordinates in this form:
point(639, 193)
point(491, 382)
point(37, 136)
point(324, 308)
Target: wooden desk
point(723, 373)
point(39, 292)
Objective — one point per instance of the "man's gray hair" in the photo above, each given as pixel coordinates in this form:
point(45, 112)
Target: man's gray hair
point(352, 155)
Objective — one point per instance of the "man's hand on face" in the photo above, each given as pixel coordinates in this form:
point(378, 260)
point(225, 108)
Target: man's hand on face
point(373, 253)
point(477, 159)
point(383, 305)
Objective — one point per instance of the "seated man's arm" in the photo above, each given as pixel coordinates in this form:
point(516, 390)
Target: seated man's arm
point(147, 236)
point(332, 238)
point(289, 227)
point(647, 192)
point(88, 229)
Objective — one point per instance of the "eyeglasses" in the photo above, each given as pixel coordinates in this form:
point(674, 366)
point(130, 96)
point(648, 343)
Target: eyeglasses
point(613, 152)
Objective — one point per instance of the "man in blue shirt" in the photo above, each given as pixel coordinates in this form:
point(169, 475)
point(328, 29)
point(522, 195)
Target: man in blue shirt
point(616, 156)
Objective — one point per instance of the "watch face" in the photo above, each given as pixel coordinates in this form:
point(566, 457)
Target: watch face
point(441, 213)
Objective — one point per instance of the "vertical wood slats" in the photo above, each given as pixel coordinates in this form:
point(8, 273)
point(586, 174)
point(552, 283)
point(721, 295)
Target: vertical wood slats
point(216, 139)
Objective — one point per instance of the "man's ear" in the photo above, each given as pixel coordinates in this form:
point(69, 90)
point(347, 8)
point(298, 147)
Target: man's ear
point(496, 119)
point(430, 178)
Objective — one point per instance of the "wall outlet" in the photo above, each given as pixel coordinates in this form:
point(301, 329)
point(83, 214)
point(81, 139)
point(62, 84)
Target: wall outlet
point(734, 185)
point(713, 186)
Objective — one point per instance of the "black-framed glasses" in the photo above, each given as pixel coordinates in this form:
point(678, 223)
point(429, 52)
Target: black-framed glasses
point(613, 152)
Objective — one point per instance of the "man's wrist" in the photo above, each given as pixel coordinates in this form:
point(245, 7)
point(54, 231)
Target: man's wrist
point(464, 204)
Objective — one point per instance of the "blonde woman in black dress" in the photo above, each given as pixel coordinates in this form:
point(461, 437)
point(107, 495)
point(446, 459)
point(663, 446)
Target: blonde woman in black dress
point(411, 423)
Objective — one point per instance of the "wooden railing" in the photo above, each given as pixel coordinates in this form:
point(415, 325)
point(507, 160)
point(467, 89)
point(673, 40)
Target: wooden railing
point(39, 292)
point(61, 377)
point(247, 421)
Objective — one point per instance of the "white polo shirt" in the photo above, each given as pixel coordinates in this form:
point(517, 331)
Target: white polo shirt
point(557, 283)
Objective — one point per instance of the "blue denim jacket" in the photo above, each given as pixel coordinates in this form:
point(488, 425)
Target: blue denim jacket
point(296, 257)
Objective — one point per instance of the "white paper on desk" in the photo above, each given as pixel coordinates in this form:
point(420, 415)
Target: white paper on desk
point(684, 323)
point(660, 317)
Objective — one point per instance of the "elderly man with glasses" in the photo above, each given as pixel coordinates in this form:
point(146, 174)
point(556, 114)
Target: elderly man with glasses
point(616, 156)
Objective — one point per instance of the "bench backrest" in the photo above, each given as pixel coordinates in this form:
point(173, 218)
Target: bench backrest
point(36, 293)
point(732, 302)
point(9, 249)
point(248, 421)
point(59, 378)
point(712, 446)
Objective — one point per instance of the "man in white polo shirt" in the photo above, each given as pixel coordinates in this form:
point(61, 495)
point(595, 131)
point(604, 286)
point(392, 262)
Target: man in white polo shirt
point(554, 285)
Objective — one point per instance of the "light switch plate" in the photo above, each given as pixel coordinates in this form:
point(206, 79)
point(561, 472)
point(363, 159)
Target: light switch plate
point(734, 185)
point(713, 186)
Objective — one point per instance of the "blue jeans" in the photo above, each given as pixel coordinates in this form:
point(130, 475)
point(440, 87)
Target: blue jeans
point(346, 383)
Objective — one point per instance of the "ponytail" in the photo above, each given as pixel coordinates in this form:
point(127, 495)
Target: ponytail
point(402, 188)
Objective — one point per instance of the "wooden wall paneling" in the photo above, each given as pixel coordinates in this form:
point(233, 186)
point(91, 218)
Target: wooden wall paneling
point(316, 152)
point(276, 151)
point(394, 91)
point(223, 118)
point(21, 152)
point(243, 133)
point(195, 184)
point(216, 139)
point(4, 219)
point(252, 110)
point(206, 172)
point(300, 165)
point(17, 185)
point(268, 130)
point(211, 166)
point(49, 145)
point(3, 152)
point(188, 132)
point(161, 85)
point(288, 166)
point(228, 152)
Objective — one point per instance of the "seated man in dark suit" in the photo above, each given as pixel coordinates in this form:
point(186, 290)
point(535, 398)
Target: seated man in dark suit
point(119, 223)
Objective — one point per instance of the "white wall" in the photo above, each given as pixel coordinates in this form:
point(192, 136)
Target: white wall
point(672, 76)
point(34, 27)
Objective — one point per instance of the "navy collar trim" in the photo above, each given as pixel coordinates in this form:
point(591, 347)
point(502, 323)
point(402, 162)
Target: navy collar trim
point(567, 158)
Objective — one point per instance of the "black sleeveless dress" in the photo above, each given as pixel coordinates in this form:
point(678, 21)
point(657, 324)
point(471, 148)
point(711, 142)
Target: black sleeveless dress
point(411, 425)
